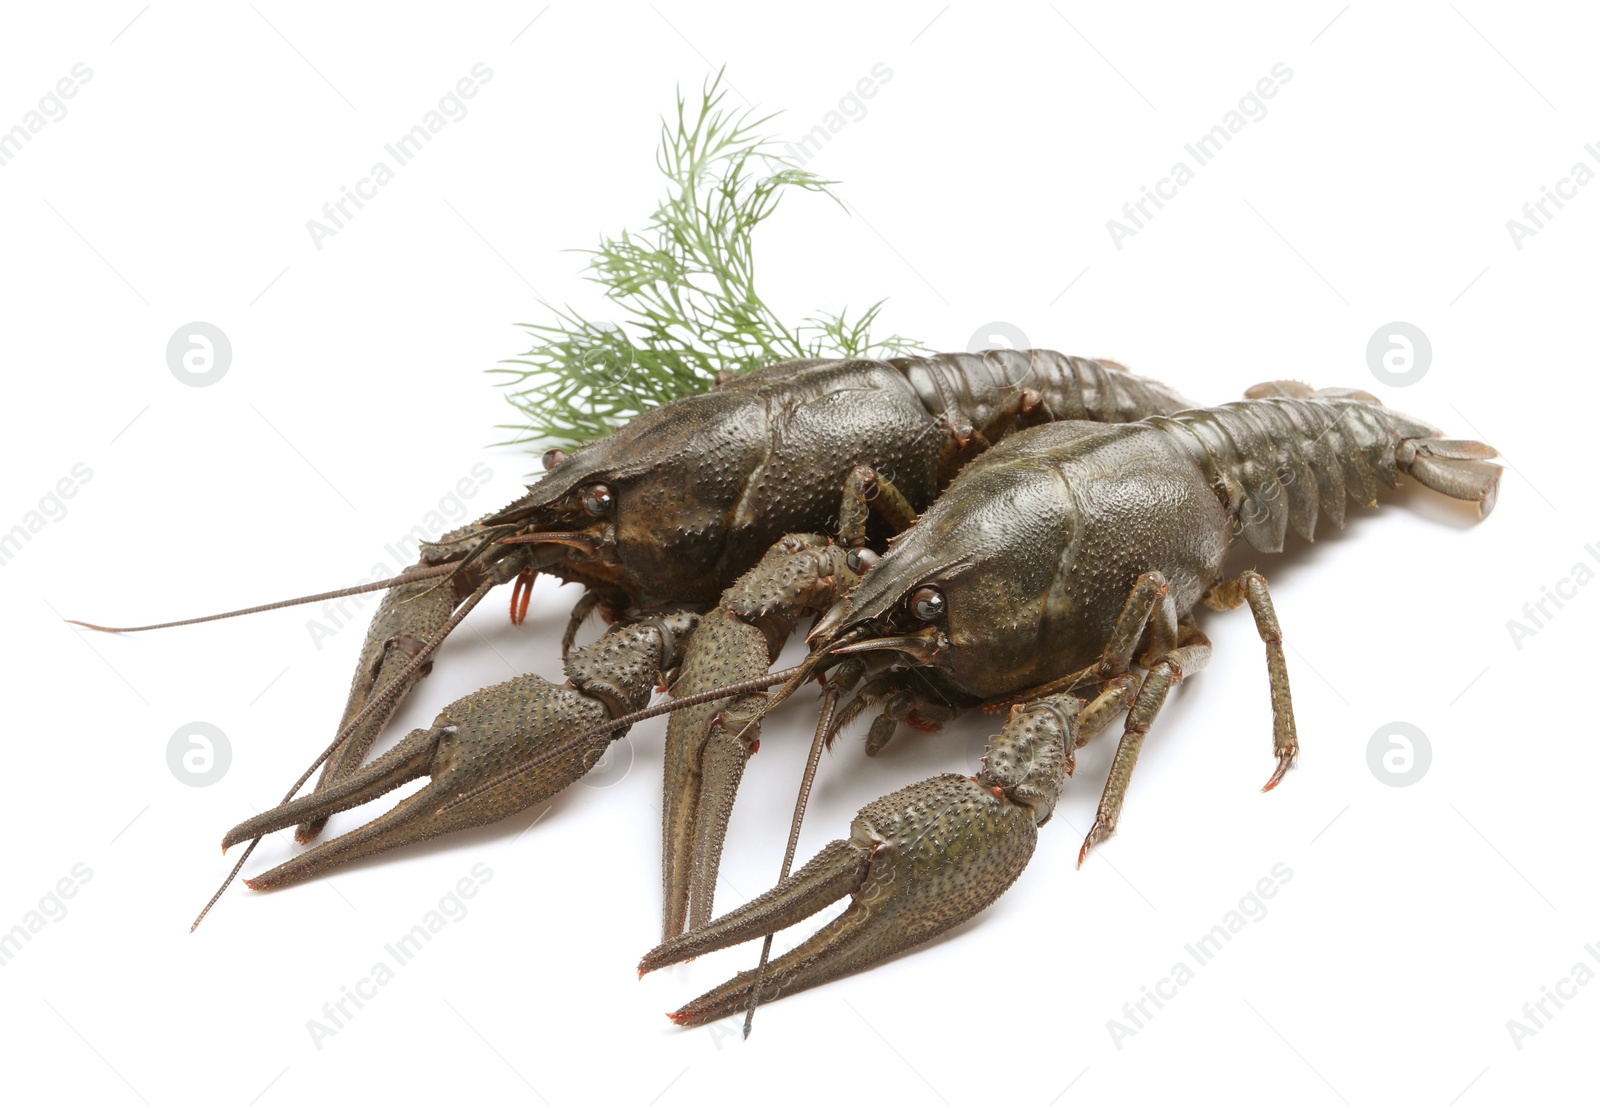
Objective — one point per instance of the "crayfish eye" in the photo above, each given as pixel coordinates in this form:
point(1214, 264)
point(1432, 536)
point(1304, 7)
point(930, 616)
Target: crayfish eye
point(861, 559)
point(598, 500)
point(554, 458)
point(927, 604)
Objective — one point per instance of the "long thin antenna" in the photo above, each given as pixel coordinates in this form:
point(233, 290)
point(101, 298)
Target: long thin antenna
point(830, 700)
point(419, 575)
point(382, 697)
point(239, 866)
point(801, 673)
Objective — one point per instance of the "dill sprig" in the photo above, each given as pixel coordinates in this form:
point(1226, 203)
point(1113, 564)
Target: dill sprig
point(685, 290)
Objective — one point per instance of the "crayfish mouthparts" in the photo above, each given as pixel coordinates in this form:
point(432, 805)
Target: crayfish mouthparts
point(921, 646)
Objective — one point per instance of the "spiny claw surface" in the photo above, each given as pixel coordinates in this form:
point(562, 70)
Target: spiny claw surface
point(478, 739)
point(918, 862)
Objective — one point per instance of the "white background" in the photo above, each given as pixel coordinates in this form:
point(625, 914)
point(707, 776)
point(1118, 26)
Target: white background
point(1418, 921)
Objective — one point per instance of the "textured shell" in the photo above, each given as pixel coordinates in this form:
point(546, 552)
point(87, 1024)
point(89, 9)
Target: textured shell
point(705, 484)
point(1275, 461)
point(1037, 544)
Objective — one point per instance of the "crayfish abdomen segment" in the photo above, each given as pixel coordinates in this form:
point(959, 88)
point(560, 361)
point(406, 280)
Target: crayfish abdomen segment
point(1275, 460)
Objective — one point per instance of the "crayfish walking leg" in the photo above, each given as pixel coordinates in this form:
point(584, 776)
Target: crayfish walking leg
point(1189, 651)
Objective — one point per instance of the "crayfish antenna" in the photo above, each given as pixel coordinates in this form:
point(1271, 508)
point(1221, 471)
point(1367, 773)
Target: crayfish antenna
point(232, 875)
point(415, 574)
point(801, 673)
point(830, 702)
point(418, 575)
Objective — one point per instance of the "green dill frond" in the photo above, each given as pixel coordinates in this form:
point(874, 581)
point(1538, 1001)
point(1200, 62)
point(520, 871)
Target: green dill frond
point(685, 290)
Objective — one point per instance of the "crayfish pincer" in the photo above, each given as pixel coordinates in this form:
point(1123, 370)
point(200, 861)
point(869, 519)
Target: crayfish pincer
point(1052, 566)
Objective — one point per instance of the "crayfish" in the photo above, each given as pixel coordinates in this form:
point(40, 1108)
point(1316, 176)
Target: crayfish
point(1013, 530)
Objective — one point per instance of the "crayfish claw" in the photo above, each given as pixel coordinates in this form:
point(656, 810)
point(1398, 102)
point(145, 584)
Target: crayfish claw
point(489, 755)
point(918, 862)
point(472, 742)
point(709, 744)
